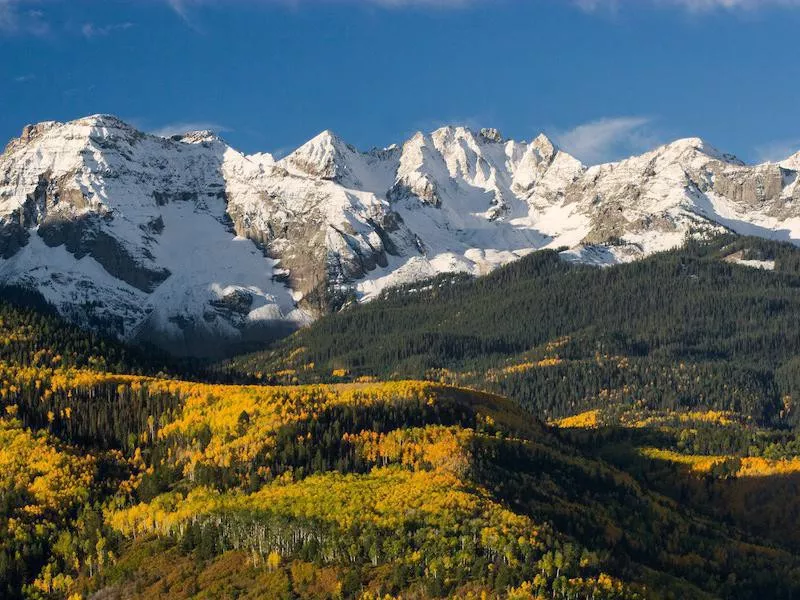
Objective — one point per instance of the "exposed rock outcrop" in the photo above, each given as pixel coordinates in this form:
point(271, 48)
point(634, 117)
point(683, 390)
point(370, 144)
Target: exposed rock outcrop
point(187, 241)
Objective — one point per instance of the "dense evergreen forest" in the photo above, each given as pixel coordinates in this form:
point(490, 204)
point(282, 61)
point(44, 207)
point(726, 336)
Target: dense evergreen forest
point(694, 329)
point(32, 330)
point(550, 431)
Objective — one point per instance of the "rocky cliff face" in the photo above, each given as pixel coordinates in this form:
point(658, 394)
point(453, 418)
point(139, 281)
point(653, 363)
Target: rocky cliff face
point(190, 243)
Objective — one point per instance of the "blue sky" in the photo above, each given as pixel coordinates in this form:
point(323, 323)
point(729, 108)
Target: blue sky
point(605, 78)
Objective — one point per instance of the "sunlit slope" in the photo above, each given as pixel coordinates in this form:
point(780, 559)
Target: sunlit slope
point(439, 489)
point(141, 486)
point(405, 487)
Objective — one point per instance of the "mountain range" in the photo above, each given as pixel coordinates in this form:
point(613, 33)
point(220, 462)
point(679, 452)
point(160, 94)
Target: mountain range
point(186, 242)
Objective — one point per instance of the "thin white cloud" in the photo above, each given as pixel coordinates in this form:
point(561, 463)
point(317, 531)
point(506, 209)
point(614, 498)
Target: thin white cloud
point(694, 6)
point(431, 3)
point(777, 150)
point(6, 16)
point(26, 17)
point(183, 7)
point(607, 139)
point(17, 17)
point(179, 128)
point(180, 7)
point(90, 30)
point(21, 17)
point(28, 77)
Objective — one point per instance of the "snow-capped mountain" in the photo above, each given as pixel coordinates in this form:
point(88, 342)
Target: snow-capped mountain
point(187, 242)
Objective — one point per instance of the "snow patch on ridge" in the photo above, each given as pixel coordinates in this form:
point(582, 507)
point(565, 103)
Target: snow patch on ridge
point(187, 238)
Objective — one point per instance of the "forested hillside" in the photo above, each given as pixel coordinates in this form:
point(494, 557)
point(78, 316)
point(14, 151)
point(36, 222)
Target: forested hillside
point(682, 328)
point(583, 456)
point(32, 333)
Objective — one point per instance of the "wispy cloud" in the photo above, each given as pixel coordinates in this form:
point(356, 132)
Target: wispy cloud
point(28, 77)
point(178, 128)
point(28, 17)
point(6, 16)
point(183, 7)
point(24, 16)
point(694, 6)
point(777, 150)
point(20, 17)
point(607, 139)
point(90, 30)
point(430, 3)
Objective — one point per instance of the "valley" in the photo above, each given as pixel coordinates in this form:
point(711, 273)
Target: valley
point(399, 300)
point(622, 461)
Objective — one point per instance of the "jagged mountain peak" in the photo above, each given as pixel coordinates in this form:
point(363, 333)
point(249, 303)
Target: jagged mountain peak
point(792, 163)
point(35, 131)
point(29, 132)
point(543, 140)
point(331, 140)
point(325, 141)
point(261, 158)
point(99, 131)
point(198, 137)
point(692, 144)
point(485, 134)
point(327, 136)
point(106, 127)
point(325, 156)
point(693, 147)
point(544, 147)
point(490, 134)
point(459, 133)
point(103, 218)
point(452, 132)
point(103, 127)
point(102, 120)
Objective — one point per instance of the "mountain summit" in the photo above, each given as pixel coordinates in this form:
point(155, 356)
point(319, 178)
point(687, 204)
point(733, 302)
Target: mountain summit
point(185, 241)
